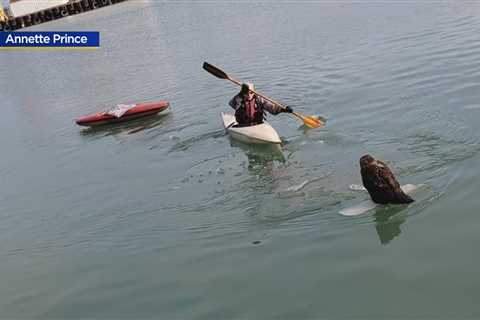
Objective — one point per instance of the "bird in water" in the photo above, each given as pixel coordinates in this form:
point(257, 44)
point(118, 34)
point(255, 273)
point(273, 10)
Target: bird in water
point(380, 182)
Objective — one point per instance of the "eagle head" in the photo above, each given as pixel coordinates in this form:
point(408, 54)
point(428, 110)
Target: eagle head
point(366, 160)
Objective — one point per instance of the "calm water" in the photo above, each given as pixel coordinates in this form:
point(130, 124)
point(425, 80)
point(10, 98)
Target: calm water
point(176, 221)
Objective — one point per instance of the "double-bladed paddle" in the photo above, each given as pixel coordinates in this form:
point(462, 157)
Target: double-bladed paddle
point(308, 121)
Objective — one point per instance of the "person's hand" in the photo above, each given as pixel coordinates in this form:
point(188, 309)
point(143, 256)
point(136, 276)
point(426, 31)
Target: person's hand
point(288, 109)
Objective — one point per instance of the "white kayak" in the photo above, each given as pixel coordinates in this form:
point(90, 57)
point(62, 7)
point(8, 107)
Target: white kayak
point(368, 205)
point(258, 134)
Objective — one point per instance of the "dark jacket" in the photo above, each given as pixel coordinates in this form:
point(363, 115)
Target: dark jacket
point(243, 118)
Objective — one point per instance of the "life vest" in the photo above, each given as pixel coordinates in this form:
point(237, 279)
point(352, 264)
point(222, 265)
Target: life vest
point(249, 112)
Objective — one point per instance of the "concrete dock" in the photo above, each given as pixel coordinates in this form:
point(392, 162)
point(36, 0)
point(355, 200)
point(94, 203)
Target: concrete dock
point(53, 13)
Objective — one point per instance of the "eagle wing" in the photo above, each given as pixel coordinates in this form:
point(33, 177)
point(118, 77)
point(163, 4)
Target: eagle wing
point(372, 178)
point(387, 176)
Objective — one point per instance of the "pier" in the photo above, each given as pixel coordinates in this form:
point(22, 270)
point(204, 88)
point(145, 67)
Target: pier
point(53, 13)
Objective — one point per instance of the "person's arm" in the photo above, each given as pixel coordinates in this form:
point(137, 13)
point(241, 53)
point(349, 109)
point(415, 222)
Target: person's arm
point(235, 103)
point(273, 108)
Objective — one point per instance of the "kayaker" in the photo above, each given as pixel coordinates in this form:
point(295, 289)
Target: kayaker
point(250, 108)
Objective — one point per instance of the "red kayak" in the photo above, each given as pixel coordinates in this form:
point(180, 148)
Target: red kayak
point(128, 113)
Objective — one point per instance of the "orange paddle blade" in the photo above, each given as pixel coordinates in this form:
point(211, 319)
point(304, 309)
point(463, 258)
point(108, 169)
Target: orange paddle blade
point(312, 122)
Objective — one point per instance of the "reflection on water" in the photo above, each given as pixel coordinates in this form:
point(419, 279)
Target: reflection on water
point(260, 153)
point(262, 164)
point(130, 127)
point(388, 222)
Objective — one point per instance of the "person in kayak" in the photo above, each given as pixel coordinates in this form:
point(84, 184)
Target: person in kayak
point(250, 108)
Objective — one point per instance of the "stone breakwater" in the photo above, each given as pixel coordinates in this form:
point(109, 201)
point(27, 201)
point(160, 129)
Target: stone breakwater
point(54, 13)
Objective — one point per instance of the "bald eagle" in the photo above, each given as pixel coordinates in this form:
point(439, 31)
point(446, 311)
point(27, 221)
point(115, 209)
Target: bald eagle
point(380, 182)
